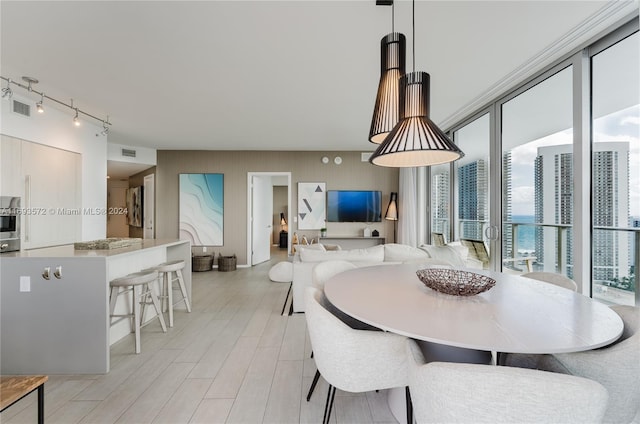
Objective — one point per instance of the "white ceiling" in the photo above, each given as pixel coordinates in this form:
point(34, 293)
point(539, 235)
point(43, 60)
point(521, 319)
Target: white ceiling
point(267, 75)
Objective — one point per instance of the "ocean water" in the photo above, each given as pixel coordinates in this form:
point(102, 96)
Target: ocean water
point(526, 233)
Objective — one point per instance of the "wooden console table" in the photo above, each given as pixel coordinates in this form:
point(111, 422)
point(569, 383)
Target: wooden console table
point(12, 389)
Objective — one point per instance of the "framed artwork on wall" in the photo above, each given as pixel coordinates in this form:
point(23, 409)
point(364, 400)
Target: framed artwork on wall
point(202, 209)
point(134, 206)
point(311, 206)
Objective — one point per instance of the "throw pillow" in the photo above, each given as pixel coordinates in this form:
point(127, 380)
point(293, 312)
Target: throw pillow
point(446, 253)
point(401, 252)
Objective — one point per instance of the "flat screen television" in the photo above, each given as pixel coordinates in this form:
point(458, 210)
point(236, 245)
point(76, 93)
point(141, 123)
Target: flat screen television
point(354, 206)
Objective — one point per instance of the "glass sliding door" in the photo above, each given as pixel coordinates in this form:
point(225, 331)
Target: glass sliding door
point(471, 187)
point(537, 177)
point(440, 204)
point(615, 172)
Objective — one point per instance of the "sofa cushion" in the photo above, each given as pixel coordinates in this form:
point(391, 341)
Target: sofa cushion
point(371, 254)
point(446, 253)
point(401, 252)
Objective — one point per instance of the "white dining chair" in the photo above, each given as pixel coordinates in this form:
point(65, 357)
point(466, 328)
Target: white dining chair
point(444, 392)
point(320, 274)
point(553, 278)
point(353, 360)
point(327, 269)
point(616, 367)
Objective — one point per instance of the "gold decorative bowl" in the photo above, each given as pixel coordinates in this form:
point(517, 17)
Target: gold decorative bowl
point(455, 282)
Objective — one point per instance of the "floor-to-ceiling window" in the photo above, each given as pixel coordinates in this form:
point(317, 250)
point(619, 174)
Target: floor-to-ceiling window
point(537, 176)
point(563, 161)
point(471, 189)
point(615, 170)
point(440, 203)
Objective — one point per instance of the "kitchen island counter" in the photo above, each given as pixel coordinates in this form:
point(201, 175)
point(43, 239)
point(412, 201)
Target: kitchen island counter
point(55, 304)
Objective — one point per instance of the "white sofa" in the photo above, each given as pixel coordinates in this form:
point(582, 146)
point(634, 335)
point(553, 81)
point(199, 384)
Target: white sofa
point(307, 257)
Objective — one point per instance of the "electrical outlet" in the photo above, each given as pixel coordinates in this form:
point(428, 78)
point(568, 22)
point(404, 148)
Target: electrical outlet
point(204, 249)
point(25, 283)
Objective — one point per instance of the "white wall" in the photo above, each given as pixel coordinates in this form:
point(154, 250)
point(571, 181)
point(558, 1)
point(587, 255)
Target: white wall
point(144, 155)
point(55, 128)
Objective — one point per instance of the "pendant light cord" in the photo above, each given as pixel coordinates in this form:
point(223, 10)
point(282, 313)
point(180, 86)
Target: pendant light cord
point(393, 16)
point(413, 24)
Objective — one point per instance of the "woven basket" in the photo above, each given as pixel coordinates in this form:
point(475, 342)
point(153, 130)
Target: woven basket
point(202, 263)
point(226, 263)
point(455, 282)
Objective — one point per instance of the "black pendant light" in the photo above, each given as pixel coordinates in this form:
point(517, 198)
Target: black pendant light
point(392, 66)
point(415, 140)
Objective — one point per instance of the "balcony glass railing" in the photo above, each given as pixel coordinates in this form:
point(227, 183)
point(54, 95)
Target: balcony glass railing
point(530, 246)
point(615, 258)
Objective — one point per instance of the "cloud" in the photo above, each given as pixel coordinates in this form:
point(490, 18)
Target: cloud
point(525, 154)
point(630, 120)
point(522, 200)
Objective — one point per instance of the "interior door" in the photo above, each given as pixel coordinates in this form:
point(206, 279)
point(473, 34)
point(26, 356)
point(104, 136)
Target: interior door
point(262, 210)
point(149, 194)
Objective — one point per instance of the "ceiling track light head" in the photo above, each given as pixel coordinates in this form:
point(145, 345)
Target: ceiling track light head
point(39, 106)
point(7, 92)
point(29, 81)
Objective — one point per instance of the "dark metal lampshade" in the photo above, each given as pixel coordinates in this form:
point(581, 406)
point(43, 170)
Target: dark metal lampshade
point(392, 67)
point(415, 140)
point(283, 221)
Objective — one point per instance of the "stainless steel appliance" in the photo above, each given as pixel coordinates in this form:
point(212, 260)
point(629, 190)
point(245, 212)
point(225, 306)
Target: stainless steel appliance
point(9, 223)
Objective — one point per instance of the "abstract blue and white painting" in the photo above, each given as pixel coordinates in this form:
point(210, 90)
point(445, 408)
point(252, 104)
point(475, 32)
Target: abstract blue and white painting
point(202, 209)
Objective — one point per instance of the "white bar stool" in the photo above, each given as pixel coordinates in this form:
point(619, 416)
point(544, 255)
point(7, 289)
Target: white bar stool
point(140, 284)
point(166, 271)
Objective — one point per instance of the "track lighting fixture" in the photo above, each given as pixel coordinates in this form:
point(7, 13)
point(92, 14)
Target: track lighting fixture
point(7, 92)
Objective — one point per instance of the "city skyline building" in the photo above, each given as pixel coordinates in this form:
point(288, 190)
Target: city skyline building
point(473, 199)
point(440, 199)
point(553, 190)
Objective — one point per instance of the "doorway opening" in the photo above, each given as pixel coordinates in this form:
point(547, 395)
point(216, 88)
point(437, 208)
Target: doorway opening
point(268, 201)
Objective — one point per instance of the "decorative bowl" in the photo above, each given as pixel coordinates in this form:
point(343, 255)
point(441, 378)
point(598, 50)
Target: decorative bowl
point(455, 282)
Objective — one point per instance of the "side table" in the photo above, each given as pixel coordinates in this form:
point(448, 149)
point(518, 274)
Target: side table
point(284, 239)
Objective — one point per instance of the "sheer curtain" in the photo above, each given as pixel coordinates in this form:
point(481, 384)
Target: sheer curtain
point(408, 207)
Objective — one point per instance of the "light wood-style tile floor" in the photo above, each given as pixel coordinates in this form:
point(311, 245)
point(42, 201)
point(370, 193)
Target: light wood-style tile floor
point(234, 359)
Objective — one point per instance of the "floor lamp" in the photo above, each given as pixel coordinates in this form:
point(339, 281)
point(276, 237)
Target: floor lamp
point(392, 212)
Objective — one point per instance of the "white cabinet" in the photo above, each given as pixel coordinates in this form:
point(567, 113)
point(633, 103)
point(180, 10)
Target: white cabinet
point(10, 166)
point(52, 196)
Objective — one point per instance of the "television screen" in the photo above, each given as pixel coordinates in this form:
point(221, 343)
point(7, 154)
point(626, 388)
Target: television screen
point(353, 206)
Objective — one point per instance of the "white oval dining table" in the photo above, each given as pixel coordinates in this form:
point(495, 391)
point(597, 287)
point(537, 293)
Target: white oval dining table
point(517, 315)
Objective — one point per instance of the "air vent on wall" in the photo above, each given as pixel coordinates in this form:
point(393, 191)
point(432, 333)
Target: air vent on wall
point(129, 153)
point(21, 108)
point(364, 157)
